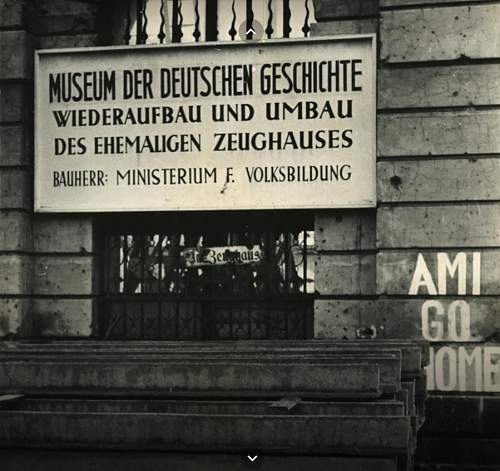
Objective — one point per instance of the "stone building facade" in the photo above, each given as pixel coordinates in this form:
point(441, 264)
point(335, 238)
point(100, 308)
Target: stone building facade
point(423, 264)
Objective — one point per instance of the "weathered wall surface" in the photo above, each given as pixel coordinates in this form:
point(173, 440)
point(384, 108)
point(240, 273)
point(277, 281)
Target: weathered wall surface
point(16, 78)
point(47, 286)
point(438, 215)
point(64, 281)
point(423, 264)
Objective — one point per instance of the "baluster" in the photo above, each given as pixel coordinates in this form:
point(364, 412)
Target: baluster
point(269, 28)
point(138, 21)
point(197, 32)
point(181, 21)
point(211, 20)
point(141, 22)
point(232, 30)
point(161, 33)
point(306, 28)
point(286, 18)
point(128, 24)
point(145, 23)
point(249, 19)
point(177, 20)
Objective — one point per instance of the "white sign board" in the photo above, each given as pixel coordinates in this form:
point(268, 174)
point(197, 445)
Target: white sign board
point(276, 124)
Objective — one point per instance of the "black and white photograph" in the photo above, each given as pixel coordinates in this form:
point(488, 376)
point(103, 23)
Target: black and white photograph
point(249, 234)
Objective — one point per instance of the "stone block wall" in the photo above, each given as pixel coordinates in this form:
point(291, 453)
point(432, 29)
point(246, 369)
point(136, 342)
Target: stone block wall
point(423, 264)
point(48, 283)
point(64, 268)
point(16, 157)
point(437, 223)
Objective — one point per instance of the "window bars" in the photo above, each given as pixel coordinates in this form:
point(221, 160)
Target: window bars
point(211, 280)
point(219, 278)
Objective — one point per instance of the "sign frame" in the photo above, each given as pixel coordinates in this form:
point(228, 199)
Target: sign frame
point(40, 53)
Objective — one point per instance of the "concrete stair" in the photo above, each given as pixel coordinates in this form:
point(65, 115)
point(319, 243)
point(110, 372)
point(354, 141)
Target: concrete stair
point(342, 400)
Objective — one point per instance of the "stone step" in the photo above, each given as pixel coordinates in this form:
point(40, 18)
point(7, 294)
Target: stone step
point(414, 354)
point(371, 408)
point(51, 460)
point(337, 435)
point(411, 361)
point(389, 363)
point(341, 380)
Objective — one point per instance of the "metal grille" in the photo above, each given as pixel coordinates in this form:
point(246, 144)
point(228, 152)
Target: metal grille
point(211, 277)
point(186, 278)
point(165, 21)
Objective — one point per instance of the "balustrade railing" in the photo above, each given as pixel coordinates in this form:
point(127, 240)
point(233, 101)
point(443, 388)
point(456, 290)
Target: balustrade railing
point(184, 21)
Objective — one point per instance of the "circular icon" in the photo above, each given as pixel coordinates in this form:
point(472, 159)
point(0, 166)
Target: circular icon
point(251, 32)
point(252, 459)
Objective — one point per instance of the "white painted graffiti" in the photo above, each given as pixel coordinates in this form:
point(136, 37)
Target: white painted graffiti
point(454, 367)
point(422, 276)
point(440, 324)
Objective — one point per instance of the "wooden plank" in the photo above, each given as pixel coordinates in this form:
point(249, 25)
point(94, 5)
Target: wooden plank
point(438, 133)
point(344, 230)
point(56, 233)
point(113, 377)
point(453, 85)
point(368, 436)
point(62, 317)
point(345, 274)
point(464, 225)
point(439, 180)
point(49, 460)
point(63, 275)
point(395, 272)
point(346, 27)
point(440, 34)
point(470, 319)
point(326, 10)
